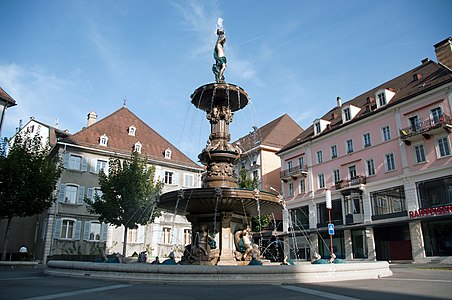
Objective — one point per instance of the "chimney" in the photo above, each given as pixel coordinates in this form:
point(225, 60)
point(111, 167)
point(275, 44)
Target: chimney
point(339, 102)
point(443, 52)
point(92, 117)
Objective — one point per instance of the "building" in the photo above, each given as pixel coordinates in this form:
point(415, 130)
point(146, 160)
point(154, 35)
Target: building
point(386, 158)
point(6, 101)
point(69, 229)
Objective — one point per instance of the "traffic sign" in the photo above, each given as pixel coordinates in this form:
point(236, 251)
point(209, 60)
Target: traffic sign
point(330, 229)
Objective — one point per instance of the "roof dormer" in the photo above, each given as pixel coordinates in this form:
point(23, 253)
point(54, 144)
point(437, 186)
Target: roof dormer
point(349, 112)
point(132, 129)
point(103, 140)
point(383, 96)
point(137, 147)
point(320, 125)
point(168, 153)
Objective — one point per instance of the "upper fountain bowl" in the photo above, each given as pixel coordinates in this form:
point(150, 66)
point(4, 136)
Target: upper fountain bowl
point(219, 94)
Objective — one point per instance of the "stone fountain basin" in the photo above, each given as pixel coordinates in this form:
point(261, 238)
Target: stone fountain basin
point(195, 274)
point(208, 200)
point(220, 94)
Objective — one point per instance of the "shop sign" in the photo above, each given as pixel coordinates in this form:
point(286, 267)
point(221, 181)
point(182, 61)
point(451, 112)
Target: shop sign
point(431, 211)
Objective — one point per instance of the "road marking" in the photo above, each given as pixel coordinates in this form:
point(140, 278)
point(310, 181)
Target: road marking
point(19, 278)
point(80, 292)
point(317, 293)
point(413, 279)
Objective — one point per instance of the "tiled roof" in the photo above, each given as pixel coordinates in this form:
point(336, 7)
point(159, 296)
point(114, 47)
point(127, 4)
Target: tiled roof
point(405, 86)
point(276, 134)
point(7, 98)
point(116, 126)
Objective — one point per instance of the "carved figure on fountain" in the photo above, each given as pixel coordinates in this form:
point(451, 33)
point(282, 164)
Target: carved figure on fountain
point(204, 247)
point(245, 248)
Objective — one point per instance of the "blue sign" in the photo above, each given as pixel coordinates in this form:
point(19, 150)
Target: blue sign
point(331, 229)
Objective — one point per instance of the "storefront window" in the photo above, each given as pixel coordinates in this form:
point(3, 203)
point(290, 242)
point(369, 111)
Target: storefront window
point(388, 203)
point(437, 238)
point(338, 245)
point(300, 218)
point(435, 192)
point(336, 214)
point(359, 243)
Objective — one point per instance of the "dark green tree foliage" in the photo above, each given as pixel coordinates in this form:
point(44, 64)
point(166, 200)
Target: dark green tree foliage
point(129, 194)
point(27, 180)
point(258, 223)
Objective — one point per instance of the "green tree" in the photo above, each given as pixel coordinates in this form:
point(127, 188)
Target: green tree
point(258, 223)
point(129, 194)
point(28, 177)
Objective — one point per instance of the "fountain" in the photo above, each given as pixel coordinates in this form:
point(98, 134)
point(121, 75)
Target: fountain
point(220, 213)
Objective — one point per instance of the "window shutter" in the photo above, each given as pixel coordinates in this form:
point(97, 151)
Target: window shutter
point(90, 193)
point(104, 234)
point(86, 230)
point(81, 195)
point(84, 164)
point(140, 233)
point(78, 225)
point(66, 160)
point(62, 193)
point(92, 166)
point(57, 229)
point(176, 178)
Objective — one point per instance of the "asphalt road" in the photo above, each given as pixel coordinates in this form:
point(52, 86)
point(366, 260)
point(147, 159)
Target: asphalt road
point(408, 282)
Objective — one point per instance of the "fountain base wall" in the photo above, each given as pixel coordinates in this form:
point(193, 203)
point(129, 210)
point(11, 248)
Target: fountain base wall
point(191, 274)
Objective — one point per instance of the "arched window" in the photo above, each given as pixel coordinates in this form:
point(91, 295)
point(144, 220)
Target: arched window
point(103, 141)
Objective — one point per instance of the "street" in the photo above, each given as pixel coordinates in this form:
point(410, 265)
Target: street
point(408, 282)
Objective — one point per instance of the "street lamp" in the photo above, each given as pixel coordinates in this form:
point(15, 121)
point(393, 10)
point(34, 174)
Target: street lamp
point(329, 206)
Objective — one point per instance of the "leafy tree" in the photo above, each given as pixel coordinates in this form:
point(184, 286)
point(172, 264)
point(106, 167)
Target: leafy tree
point(28, 177)
point(258, 223)
point(129, 194)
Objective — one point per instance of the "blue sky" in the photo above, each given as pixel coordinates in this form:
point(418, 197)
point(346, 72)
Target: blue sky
point(62, 59)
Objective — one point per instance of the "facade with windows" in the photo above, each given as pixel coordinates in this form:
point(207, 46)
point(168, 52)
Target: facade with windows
point(389, 173)
point(68, 227)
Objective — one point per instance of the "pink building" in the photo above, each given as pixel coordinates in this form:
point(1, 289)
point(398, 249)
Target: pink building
point(386, 158)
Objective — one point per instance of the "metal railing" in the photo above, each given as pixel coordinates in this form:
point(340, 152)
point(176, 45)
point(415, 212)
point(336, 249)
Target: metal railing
point(294, 172)
point(360, 179)
point(425, 126)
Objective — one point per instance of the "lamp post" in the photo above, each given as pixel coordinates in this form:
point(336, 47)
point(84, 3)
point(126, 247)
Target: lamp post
point(329, 206)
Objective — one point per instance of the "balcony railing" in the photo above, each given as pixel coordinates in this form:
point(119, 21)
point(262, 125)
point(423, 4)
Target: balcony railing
point(344, 183)
point(425, 126)
point(294, 172)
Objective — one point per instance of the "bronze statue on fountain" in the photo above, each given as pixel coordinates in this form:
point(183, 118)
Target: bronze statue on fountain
point(219, 211)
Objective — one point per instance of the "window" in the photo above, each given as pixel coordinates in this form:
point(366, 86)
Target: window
point(189, 180)
point(352, 172)
point(349, 146)
point(336, 176)
point(67, 229)
point(300, 218)
point(289, 166)
point(336, 213)
point(93, 231)
point(71, 194)
point(75, 162)
point(319, 157)
point(437, 113)
point(168, 153)
point(169, 177)
point(132, 235)
point(187, 236)
point(436, 192)
point(291, 189)
point(353, 204)
point(333, 151)
point(389, 162)
point(93, 192)
point(388, 201)
point(101, 166)
point(132, 130)
point(302, 186)
point(243, 164)
point(359, 243)
point(442, 147)
point(381, 99)
point(366, 140)
point(301, 161)
point(419, 153)
point(137, 147)
point(347, 114)
point(317, 128)
point(321, 181)
point(166, 237)
point(370, 167)
point(414, 123)
point(256, 175)
point(103, 141)
point(386, 133)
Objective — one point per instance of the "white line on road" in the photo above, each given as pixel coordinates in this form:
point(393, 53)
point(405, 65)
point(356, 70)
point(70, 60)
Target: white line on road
point(317, 293)
point(413, 279)
point(74, 293)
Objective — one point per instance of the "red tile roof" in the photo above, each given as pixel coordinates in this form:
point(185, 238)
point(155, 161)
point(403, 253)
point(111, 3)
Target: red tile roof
point(405, 86)
point(7, 98)
point(116, 126)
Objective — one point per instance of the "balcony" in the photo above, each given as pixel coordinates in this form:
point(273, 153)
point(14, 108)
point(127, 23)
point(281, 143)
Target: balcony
point(425, 129)
point(294, 172)
point(347, 183)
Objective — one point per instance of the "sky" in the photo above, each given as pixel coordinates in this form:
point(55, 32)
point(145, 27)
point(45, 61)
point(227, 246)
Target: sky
point(61, 60)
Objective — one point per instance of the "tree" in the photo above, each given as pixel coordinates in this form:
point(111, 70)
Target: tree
point(28, 177)
point(129, 195)
point(258, 223)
